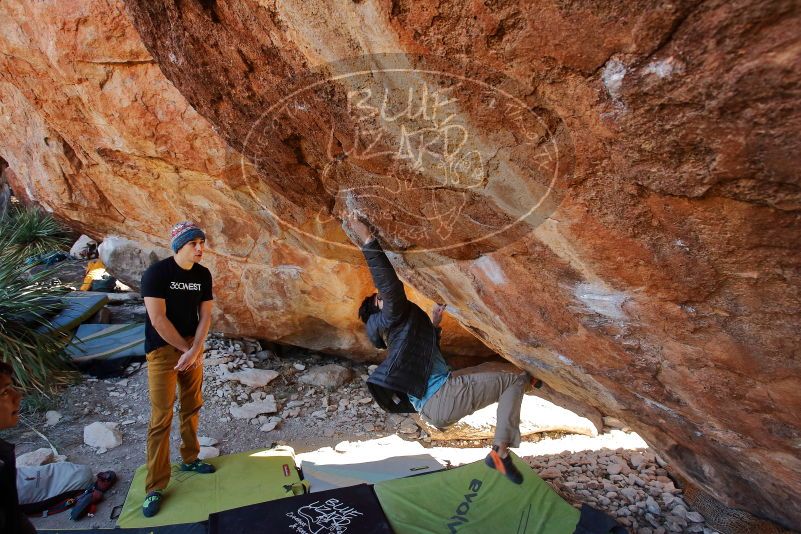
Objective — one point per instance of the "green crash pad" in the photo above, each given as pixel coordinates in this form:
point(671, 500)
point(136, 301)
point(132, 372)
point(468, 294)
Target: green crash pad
point(240, 480)
point(475, 498)
point(78, 307)
point(107, 341)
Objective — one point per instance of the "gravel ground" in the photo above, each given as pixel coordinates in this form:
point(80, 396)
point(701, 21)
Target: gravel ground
point(614, 471)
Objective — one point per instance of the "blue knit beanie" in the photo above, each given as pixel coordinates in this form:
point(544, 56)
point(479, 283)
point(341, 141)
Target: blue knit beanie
point(184, 232)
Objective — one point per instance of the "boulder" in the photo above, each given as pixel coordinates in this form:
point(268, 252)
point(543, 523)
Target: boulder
point(127, 260)
point(254, 409)
point(536, 415)
point(83, 248)
point(102, 435)
point(331, 375)
point(254, 378)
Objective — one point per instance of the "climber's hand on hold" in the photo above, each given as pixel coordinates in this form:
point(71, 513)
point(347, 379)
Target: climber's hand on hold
point(436, 313)
point(358, 229)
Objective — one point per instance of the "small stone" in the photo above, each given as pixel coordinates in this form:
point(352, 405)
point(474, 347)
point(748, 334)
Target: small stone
point(550, 473)
point(679, 511)
point(102, 435)
point(299, 366)
point(331, 375)
point(255, 378)
point(254, 409)
point(206, 441)
point(629, 493)
point(652, 506)
point(636, 459)
point(613, 422)
point(695, 517)
point(270, 425)
point(35, 458)
point(614, 468)
point(208, 452)
point(408, 426)
point(264, 355)
point(52, 417)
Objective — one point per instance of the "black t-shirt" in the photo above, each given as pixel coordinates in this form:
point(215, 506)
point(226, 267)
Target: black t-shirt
point(183, 290)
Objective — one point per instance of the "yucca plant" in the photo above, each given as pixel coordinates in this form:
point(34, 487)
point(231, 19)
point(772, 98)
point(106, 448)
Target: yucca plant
point(30, 231)
point(27, 298)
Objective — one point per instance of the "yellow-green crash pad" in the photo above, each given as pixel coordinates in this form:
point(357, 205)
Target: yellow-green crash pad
point(240, 480)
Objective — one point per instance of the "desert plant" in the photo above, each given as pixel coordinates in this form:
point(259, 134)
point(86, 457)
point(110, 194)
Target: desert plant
point(30, 231)
point(27, 298)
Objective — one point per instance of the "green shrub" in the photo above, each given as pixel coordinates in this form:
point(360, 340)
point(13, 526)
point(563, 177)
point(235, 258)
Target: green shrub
point(27, 298)
point(30, 231)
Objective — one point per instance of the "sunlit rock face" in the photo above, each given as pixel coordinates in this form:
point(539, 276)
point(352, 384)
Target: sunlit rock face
point(93, 131)
point(606, 194)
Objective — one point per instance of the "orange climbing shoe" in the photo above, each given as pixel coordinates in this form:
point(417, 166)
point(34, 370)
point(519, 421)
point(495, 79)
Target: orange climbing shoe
point(504, 466)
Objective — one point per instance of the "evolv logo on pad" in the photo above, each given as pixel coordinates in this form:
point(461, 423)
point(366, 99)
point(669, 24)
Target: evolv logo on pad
point(459, 518)
point(185, 286)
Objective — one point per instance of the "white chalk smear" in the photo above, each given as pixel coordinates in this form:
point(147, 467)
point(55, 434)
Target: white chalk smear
point(491, 270)
point(601, 300)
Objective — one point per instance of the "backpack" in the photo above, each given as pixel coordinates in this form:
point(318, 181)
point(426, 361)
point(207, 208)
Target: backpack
point(43, 487)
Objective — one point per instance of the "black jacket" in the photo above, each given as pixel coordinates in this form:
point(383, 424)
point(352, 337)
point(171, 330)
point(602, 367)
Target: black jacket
point(405, 330)
point(11, 518)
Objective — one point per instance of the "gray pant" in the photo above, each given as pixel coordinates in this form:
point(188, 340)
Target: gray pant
point(468, 390)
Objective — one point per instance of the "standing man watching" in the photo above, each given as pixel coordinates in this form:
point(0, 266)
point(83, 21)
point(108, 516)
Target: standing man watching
point(414, 377)
point(178, 298)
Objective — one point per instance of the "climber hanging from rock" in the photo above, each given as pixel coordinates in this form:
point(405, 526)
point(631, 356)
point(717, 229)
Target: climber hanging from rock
point(414, 377)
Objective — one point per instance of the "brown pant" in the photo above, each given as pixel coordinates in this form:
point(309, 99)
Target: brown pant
point(468, 390)
point(161, 378)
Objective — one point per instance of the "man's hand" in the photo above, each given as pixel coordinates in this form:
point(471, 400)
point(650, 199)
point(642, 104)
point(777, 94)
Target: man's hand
point(436, 314)
point(188, 359)
point(358, 228)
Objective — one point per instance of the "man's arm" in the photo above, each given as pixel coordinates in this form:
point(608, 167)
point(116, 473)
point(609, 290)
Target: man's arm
point(389, 286)
point(192, 356)
point(157, 311)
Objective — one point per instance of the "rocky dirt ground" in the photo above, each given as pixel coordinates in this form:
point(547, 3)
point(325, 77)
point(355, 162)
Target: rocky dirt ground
point(255, 398)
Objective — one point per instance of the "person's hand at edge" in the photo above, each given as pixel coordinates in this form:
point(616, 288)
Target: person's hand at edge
point(436, 313)
point(361, 231)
